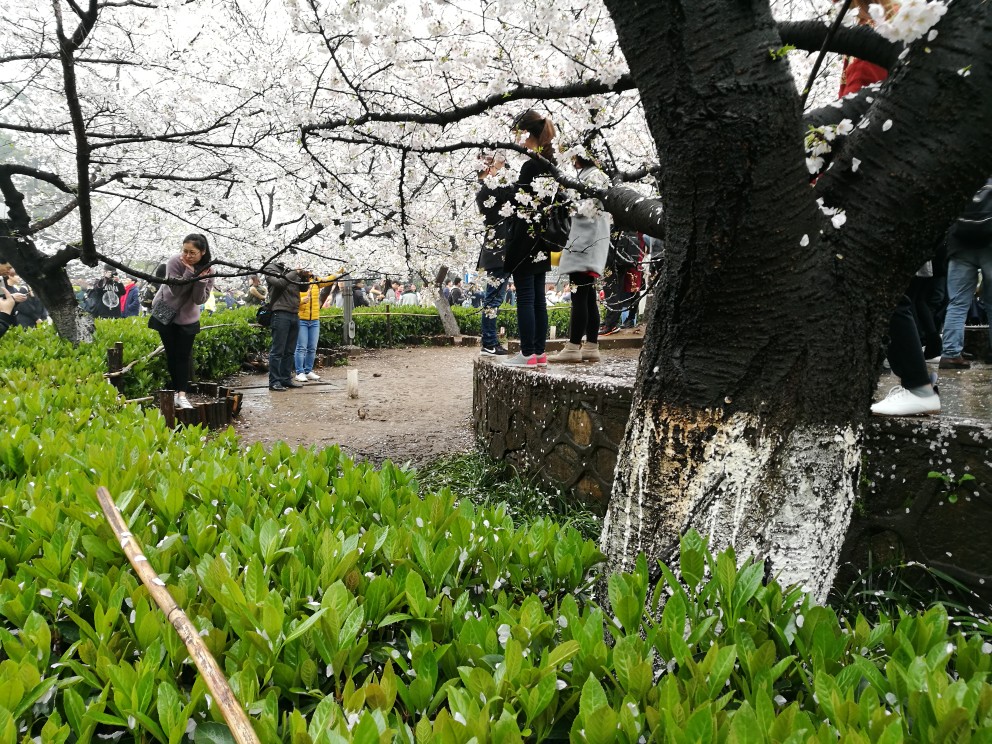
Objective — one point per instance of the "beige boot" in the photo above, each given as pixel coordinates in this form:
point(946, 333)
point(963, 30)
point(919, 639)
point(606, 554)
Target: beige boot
point(570, 353)
point(590, 352)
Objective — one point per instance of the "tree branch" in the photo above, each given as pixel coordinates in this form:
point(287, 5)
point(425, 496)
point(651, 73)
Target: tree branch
point(857, 41)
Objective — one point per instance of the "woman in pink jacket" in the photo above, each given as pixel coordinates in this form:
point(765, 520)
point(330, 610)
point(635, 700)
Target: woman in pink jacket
point(182, 302)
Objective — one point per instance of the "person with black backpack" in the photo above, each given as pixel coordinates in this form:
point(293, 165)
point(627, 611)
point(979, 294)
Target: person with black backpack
point(969, 251)
point(457, 294)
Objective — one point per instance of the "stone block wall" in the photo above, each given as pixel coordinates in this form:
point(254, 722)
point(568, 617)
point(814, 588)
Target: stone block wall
point(942, 520)
point(565, 430)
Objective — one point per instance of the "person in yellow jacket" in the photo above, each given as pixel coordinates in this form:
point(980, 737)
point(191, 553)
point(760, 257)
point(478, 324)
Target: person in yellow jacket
point(306, 342)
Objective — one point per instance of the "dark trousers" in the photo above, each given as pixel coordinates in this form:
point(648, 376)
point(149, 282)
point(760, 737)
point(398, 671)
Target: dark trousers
point(616, 299)
point(496, 282)
point(178, 345)
point(905, 353)
point(285, 330)
point(585, 309)
point(532, 312)
point(921, 290)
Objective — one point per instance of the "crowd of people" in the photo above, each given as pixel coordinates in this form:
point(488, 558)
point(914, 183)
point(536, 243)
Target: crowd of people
point(521, 247)
point(598, 271)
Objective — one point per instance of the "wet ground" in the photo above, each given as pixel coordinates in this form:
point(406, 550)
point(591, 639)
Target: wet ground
point(415, 405)
point(965, 395)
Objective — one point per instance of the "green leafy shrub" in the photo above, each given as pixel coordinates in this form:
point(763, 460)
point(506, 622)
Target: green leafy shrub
point(403, 325)
point(345, 606)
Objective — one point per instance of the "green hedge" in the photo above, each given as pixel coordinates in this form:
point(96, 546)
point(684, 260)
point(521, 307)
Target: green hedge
point(407, 325)
point(343, 607)
point(220, 351)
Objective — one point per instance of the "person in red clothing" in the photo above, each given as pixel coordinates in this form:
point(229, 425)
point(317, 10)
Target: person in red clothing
point(857, 72)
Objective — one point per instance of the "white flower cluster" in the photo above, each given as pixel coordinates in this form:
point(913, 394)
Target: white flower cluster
point(818, 142)
point(837, 216)
point(910, 22)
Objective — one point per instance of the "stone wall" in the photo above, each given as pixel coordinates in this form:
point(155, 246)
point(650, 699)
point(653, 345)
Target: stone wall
point(563, 429)
point(926, 497)
point(565, 426)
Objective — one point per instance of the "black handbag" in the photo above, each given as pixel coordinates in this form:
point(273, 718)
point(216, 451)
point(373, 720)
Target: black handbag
point(556, 227)
point(263, 316)
point(163, 313)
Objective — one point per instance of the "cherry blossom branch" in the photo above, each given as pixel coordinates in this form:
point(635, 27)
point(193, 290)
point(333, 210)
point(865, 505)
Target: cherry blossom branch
point(67, 47)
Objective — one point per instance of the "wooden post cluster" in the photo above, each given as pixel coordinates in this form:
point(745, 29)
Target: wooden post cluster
point(214, 414)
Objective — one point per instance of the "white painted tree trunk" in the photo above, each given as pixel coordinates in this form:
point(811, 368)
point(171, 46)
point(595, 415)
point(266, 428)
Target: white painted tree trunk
point(71, 323)
point(785, 496)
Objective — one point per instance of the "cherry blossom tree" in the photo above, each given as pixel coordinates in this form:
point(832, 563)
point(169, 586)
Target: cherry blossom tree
point(267, 123)
point(130, 124)
point(761, 351)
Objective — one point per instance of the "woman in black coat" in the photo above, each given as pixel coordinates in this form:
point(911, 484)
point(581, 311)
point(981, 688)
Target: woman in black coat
point(528, 258)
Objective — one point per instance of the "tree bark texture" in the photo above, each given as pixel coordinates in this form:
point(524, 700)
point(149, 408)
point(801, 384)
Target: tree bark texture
point(47, 277)
point(761, 354)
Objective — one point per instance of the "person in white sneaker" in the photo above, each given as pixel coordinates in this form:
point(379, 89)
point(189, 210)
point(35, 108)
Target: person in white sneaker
point(916, 394)
point(584, 260)
point(309, 319)
point(176, 310)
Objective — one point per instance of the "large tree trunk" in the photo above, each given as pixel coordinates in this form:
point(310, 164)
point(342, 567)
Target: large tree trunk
point(51, 283)
point(761, 353)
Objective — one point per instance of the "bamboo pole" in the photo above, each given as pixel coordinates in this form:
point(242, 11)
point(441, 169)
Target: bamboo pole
point(222, 694)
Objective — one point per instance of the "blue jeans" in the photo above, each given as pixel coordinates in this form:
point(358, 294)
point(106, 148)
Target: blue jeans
point(306, 345)
point(962, 278)
point(532, 312)
point(285, 328)
point(496, 281)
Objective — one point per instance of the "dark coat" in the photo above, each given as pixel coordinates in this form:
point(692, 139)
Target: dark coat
point(30, 312)
point(489, 201)
point(973, 229)
point(526, 252)
point(284, 291)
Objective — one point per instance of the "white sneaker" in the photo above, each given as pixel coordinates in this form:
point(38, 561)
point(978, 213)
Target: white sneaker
point(183, 402)
point(300, 377)
point(901, 402)
point(313, 376)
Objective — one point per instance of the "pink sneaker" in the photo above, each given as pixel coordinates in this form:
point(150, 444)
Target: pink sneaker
point(519, 360)
point(542, 360)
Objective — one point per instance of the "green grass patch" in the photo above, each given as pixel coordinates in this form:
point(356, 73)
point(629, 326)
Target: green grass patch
point(489, 483)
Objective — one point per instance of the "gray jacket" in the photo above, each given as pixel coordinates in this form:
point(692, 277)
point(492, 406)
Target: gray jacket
point(589, 238)
point(284, 292)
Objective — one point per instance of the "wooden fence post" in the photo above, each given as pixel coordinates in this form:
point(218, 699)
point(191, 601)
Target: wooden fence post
point(167, 405)
point(115, 362)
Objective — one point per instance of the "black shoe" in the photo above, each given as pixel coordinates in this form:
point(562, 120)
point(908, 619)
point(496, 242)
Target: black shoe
point(608, 331)
point(292, 384)
point(493, 351)
point(958, 362)
point(278, 387)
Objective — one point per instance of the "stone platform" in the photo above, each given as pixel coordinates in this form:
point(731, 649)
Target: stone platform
point(927, 482)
